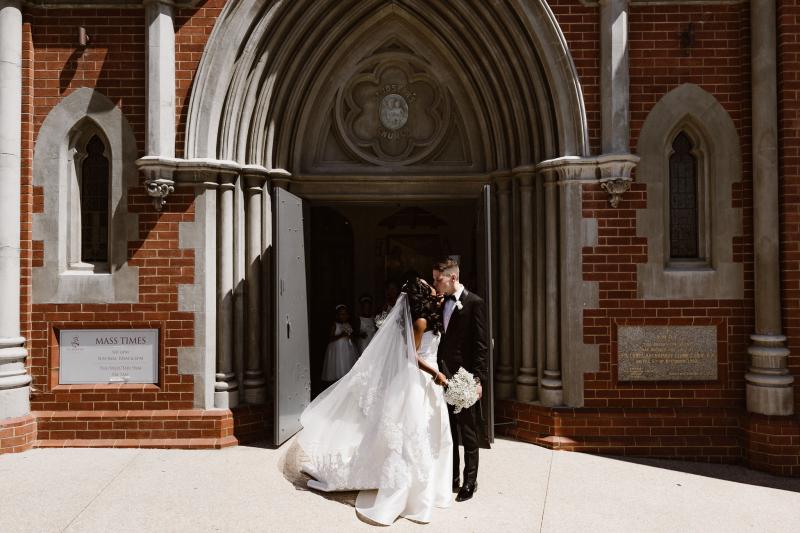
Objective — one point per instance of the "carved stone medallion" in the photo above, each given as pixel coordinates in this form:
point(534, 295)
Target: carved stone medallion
point(394, 111)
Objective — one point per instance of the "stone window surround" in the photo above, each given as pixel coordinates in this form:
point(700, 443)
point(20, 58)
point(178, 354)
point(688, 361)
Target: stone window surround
point(691, 109)
point(83, 112)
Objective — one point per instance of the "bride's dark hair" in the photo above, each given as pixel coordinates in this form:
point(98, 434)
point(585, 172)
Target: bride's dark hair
point(423, 304)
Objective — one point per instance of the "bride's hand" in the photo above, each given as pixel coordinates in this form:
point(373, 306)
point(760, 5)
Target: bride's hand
point(440, 379)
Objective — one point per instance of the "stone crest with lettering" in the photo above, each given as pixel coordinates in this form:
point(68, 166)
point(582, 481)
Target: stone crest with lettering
point(393, 112)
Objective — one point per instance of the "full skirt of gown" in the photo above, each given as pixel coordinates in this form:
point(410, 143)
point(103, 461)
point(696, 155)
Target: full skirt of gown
point(383, 430)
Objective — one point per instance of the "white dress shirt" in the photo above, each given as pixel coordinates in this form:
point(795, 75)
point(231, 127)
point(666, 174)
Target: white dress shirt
point(449, 305)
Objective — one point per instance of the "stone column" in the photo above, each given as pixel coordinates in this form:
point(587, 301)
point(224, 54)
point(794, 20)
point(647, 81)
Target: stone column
point(526, 379)
point(504, 380)
point(614, 76)
point(14, 378)
point(255, 390)
point(226, 391)
point(541, 279)
point(160, 138)
point(769, 384)
point(160, 82)
point(552, 390)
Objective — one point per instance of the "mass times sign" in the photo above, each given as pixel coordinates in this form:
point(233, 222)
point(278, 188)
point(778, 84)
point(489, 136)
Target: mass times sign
point(108, 356)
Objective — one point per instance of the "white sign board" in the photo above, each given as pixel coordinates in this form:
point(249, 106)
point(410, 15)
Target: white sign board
point(108, 356)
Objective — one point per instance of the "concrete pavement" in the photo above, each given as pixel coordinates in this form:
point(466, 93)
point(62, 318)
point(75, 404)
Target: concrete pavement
point(523, 488)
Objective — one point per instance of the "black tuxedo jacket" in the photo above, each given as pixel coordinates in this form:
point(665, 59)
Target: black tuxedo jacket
point(464, 344)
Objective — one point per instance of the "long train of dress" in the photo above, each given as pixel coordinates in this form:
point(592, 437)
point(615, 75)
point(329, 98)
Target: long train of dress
point(383, 429)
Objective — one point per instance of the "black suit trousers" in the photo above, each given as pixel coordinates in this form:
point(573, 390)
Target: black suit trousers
point(465, 424)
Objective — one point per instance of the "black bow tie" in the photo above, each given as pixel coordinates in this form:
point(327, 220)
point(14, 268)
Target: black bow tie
point(450, 297)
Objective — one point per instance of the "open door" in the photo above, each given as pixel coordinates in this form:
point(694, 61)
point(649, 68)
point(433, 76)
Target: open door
point(292, 375)
point(484, 251)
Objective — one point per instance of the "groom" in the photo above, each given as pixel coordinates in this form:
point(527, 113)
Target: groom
point(463, 344)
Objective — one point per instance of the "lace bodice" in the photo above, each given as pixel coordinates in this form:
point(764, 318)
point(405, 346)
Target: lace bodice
point(428, 346)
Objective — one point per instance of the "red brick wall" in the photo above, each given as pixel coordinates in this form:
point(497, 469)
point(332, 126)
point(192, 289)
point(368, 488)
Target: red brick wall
point(789, 150)
point(581, 28)
point(719, 63)
point(114, 64)
point(192, 28)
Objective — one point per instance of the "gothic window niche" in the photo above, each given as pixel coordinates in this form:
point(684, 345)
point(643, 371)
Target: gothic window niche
point(84, 161)
point(88, 218)
point(690, 160)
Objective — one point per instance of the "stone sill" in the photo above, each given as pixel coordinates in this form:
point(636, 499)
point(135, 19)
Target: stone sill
point(107, 387)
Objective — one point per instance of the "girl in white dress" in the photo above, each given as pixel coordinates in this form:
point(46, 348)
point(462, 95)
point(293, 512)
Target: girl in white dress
point(383, 429)
point(341, 353)
point(367, 327)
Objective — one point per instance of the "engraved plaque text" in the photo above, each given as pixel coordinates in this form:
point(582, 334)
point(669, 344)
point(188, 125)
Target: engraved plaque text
point(669, 353)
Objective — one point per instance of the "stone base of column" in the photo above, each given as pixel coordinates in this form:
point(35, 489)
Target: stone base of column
point(255, 388)
point(768, 383)
point(15, 382)
point(17, 434)
point(526, 385)
point(226, 391)
point(15, 402)
point(504, 383)
point(552, 393)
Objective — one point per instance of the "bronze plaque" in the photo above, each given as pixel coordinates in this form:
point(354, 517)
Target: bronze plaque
point(667, 353)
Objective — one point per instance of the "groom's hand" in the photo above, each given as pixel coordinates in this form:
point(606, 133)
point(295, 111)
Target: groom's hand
point(480, 391)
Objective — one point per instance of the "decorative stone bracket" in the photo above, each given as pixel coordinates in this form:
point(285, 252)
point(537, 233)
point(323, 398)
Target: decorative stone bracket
point(615, 175)
point(615, 187)
point(159, 173)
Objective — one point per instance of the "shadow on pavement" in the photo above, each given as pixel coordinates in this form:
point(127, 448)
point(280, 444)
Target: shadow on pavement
point(725, 472)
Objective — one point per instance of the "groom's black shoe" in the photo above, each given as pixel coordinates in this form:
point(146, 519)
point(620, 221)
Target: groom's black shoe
point(466, 492)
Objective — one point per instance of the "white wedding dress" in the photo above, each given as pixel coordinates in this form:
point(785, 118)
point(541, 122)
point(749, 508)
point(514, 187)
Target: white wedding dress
point(383, 429)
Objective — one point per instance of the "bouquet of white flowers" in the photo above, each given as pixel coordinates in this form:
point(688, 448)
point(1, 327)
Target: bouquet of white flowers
point(461, 391)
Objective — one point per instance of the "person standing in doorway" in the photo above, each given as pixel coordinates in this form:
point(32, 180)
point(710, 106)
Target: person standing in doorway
point(366, 323)
point(464, 344)
point(341, 354)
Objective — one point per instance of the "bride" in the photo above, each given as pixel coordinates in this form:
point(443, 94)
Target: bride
point(383, 428)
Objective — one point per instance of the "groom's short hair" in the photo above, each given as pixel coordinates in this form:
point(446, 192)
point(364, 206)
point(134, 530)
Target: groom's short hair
point(447, 265)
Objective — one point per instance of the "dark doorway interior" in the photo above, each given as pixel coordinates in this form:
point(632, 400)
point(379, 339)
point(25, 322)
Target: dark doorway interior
point(355, 249)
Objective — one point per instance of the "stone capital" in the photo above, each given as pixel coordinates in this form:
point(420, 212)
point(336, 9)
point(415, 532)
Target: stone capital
point(254, 177)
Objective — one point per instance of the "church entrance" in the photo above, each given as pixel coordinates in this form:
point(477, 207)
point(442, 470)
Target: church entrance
point(370, 132)
point(364, 251)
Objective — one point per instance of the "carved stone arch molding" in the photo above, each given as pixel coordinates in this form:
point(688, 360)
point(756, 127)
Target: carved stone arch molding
point(372, 87)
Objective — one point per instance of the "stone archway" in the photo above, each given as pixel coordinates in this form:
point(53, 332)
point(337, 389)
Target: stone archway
point(280, 99)
point(508, 61)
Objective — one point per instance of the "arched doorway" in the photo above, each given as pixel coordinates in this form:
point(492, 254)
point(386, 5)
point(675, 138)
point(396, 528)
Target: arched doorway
point(413, 102)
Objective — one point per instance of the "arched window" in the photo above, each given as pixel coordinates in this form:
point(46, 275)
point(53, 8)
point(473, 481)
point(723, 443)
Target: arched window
point(684, 235)
point(690, 161)
point(88, 200)
point(84, 160)
point(94, 203)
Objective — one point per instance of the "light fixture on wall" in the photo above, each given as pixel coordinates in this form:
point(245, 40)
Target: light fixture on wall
point(83, 38)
